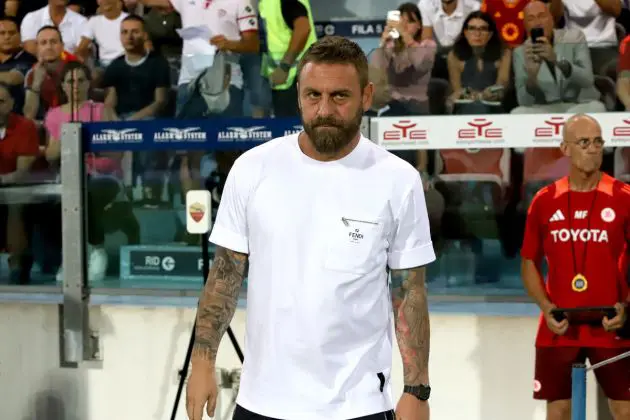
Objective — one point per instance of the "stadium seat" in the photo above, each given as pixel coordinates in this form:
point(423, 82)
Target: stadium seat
point(622, 164)
point(607, 89)
point(541, 166)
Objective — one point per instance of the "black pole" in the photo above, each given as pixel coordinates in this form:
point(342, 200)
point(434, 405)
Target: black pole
point(183, 373)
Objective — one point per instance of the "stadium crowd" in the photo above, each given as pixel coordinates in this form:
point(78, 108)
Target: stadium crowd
point(103, 60)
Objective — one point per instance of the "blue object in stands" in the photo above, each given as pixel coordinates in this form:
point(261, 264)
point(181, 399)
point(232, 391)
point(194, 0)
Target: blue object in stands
point(210, 134)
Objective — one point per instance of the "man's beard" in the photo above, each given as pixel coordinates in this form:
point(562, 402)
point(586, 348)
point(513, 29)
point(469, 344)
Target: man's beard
point(330, 135)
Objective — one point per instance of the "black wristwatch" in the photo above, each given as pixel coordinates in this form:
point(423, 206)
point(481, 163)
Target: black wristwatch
point(421, 392)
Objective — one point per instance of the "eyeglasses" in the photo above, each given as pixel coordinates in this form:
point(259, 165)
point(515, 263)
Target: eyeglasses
point(586, 143)
point(479, 29)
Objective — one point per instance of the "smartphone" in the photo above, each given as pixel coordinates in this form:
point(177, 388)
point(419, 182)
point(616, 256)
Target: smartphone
point(393, 16)
point(496, 89)
point(536, 33)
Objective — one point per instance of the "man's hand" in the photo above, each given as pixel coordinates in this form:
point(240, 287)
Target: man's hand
point(543, 49)
point(532, 62)
point(278, 76)
point(558, 328)
point(411, 408)
point(221, 42)
point(201, 390)
point(39, 75)
point(618, 321)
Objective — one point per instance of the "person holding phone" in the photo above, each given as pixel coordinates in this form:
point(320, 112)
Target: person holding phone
point(407, 60)
point(580, 225)
point(553, 71)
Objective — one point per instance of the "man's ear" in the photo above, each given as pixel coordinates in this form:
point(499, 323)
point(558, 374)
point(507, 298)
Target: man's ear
point(368, 96)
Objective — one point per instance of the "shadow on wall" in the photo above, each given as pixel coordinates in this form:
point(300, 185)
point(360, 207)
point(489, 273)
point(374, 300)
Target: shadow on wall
point(50, 405)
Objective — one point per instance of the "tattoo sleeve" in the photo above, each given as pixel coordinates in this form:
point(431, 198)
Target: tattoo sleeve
point(218, 301)
point(411, 314)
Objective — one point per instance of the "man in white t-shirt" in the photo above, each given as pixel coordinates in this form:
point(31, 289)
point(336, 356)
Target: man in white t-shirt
point(320, 218)
point(442, 21)
point(597, 20)
point(104, 31)
point(233, 25)
point(72, 26)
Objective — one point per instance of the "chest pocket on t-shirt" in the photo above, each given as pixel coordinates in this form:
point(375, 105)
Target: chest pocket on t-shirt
point(354, 243)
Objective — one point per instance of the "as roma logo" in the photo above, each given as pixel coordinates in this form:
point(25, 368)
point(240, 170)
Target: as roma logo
point(197, 211)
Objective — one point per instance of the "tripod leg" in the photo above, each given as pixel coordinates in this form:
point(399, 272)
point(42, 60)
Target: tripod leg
point(183, 374)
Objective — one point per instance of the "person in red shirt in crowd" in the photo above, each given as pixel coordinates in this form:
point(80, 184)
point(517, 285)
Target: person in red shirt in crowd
point(42, 81)
point(581, 225)
point(508, 16)
point(623, 73)
point(19, 147)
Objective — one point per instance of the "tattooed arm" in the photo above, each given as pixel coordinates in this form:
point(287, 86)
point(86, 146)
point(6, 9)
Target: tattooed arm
point(218, 302)
point(411, 314)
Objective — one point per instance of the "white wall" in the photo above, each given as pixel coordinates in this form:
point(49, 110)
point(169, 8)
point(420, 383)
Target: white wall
point(481, 367)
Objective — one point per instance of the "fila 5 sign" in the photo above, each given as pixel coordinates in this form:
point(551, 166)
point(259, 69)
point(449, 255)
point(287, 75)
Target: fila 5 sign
point(489, 131)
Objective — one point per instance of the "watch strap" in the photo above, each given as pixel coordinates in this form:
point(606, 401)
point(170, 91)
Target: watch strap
point(421, 392)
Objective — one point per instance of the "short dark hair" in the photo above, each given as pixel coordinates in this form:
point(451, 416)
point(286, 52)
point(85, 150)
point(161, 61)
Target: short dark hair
point(337, 50)
point(5, 18)
point(52, 28)
point(134, 18)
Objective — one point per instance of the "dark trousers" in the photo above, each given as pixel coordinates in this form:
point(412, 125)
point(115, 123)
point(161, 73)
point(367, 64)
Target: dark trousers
point(242, 414)
point(285, 102)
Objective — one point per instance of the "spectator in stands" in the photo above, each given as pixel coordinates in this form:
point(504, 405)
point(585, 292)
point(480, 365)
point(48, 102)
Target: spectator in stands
point(288, 37)
point(19, 147)
point(554, 74)
point(408, 62)
point(20, 8)
point(508, 16)
point(104, 169)
point(137, 82)
point(72, 26)
point(443, 20)
point(234, 26)
point(479, 67)
point(161, 24)
point(623, 76)
point(42, 80)
point(104, 31)
point(14, 61)
point(596, 19)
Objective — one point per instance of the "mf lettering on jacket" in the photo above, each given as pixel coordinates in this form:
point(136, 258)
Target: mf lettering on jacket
point(580, 235)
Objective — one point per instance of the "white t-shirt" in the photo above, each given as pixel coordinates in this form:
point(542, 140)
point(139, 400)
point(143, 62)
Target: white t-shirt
point(586, 15)
point(223, 17)
point(73, 27)
point(106, 34)
point(320, 236)
point(446, 28)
